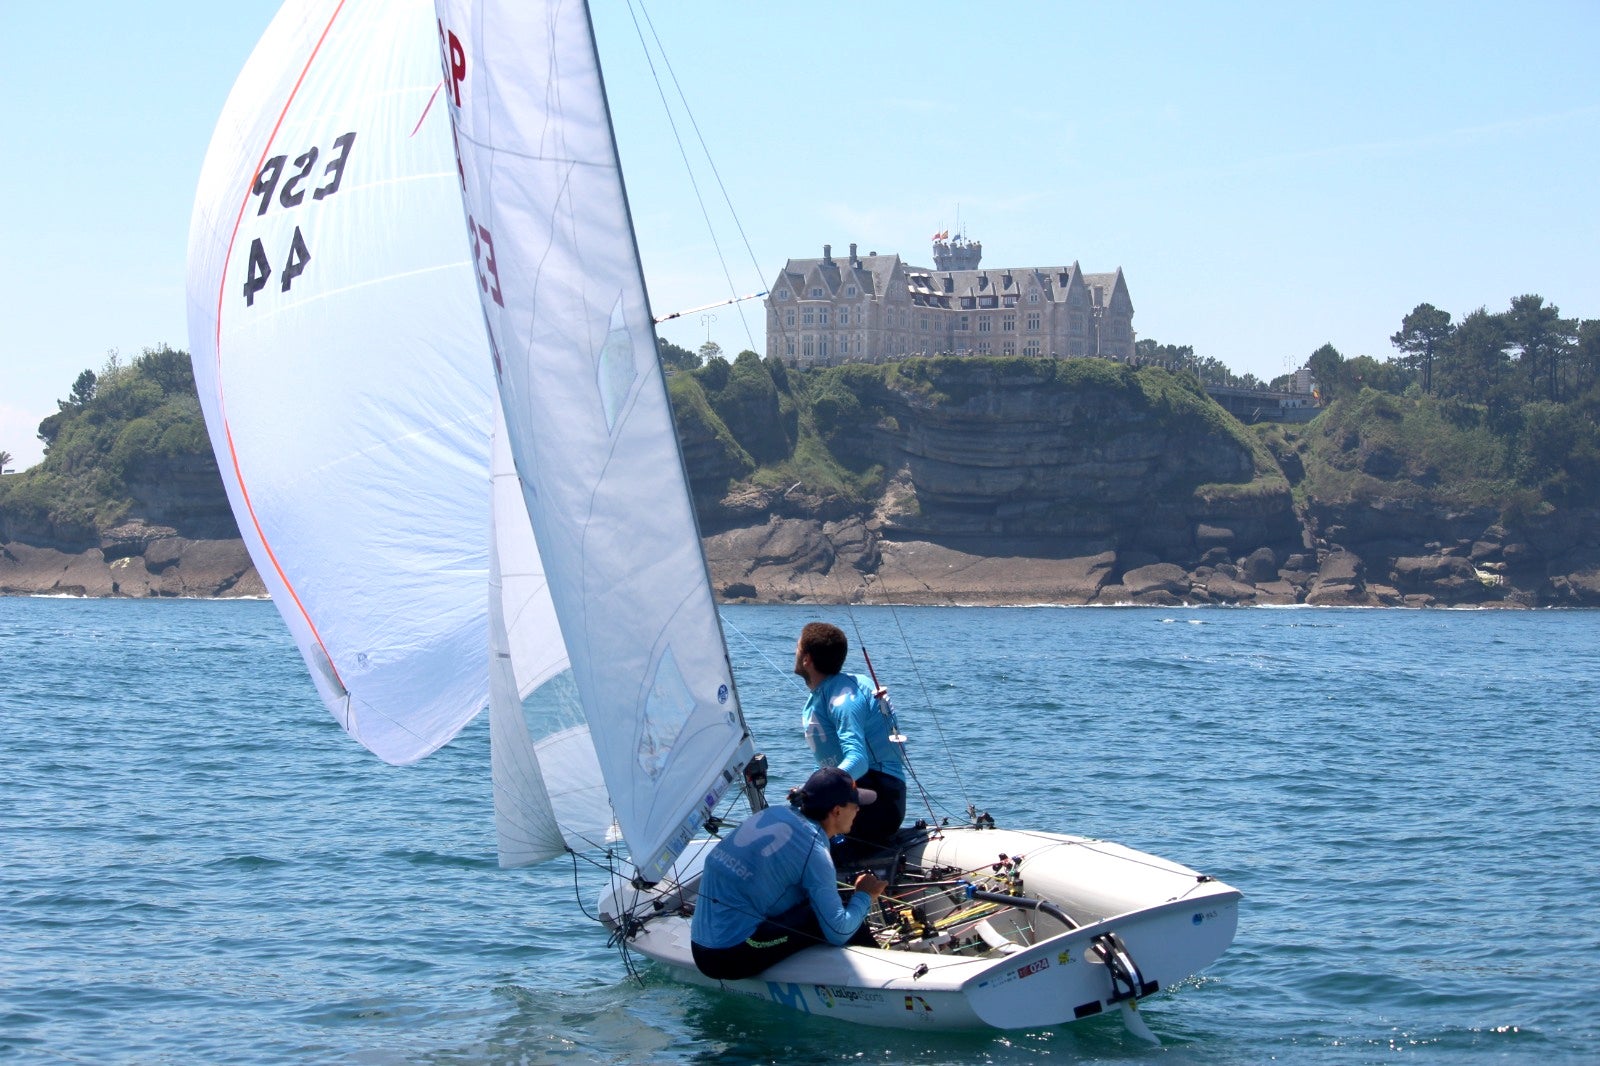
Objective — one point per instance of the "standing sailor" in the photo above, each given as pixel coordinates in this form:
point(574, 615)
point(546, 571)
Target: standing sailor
point(847, 724)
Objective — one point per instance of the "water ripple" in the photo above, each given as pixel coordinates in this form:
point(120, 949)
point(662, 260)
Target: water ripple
point(196, 865)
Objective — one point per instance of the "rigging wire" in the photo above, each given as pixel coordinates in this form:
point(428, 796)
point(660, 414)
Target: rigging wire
point(861, 644)
point(922, 685)
point(759, 650)
point(683, 152)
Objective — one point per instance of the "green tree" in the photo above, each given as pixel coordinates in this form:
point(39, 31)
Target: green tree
point(1325, 364)
point(132, 426)
point(1475, 362)
point(779, 372)
point(1212, 371)
point(82, 390)
point(5, 457)
point(714, 375)
point(710, 350)
point(1178, 356)
point(1586, 357)
point(1365, 372)
point(168, 368)
point(676, 357)
point(1541, 338)
point(1420, 334)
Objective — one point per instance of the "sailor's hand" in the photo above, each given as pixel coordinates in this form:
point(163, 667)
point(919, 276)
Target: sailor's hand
point(871, 884)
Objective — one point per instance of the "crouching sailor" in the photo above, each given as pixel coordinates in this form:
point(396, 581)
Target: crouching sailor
point(770, 890)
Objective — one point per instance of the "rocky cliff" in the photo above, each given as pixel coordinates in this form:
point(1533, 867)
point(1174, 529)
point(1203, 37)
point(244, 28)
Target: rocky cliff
point(1003, 481)
point(1015, 481)
point(176, 538)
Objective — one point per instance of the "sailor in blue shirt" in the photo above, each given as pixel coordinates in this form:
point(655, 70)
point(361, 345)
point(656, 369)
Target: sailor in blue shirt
point(847, 724)
point(769, 889)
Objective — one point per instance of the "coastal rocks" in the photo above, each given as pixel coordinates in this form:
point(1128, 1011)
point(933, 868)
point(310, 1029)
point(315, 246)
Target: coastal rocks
point(133, 562)
point(789, 559)
point(1418, 553)
point(1220, 587)
point(808, 561)
point(1159, 584)
point(1444, 578)
point(926, 572)
point(1578, 589)
point(26, 570)
point(1340, 582)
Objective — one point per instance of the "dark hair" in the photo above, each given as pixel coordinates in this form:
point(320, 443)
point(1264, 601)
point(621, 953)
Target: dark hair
point(827, 645)
point(797, 800)
point(827, 788)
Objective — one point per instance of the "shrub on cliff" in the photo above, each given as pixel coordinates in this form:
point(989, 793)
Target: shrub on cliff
point(122, 429)
point(710, 452)
point(1373, 445)
point(747, 402)
point(1557, 450)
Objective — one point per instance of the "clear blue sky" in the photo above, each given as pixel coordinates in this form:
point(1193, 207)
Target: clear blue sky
point(1270, 176)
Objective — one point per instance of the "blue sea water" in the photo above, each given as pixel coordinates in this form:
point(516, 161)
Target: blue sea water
point(196, 865)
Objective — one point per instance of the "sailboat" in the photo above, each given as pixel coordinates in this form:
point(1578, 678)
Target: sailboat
point(428, 367)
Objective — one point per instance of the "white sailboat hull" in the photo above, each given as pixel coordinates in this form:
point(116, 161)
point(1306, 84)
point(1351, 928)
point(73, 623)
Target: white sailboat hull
point(1171, 921)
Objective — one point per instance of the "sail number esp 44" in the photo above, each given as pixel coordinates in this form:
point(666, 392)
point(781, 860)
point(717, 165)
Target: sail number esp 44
point(289, 192)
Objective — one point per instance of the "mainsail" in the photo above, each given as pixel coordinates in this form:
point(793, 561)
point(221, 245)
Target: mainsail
point(588, 419)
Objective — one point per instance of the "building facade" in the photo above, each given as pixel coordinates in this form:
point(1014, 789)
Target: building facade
point(875, 307)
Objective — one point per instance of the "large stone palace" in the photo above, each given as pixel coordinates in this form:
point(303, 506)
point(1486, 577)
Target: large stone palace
point(869, 308)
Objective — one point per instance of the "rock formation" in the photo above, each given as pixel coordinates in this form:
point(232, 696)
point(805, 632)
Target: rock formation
point(998, 481)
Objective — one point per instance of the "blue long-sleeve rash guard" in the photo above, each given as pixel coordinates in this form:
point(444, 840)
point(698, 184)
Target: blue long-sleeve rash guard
point(845, 728)
point(774, 861)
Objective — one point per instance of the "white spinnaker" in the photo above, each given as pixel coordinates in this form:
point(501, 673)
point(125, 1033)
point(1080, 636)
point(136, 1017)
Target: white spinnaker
point(342, 366)
point(589, 422)
point(547, 788)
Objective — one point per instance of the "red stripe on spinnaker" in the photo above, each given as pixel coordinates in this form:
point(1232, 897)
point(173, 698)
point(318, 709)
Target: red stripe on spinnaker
point(222, 402)
point(425, 110)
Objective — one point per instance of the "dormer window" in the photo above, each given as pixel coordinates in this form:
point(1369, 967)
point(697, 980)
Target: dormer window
point(816, 294)
point(849, 290)
point(783, 294)
point(1033, 297)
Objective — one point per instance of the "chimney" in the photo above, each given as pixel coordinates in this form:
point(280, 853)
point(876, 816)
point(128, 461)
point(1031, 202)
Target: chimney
point(855, 260)
point(827, 254)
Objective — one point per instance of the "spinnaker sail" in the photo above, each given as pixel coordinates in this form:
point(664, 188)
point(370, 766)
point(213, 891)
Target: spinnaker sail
point(323, 269)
